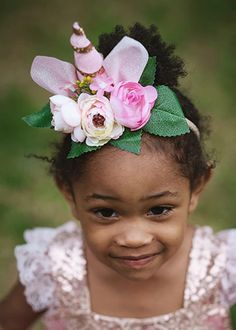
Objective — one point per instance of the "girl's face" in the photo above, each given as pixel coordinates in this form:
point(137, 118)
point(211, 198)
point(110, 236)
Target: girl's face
point(133, 210)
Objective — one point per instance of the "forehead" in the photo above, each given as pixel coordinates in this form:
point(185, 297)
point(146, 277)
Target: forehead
point(121, 173)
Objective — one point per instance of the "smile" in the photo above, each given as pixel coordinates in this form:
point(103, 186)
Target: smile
point(137, 261)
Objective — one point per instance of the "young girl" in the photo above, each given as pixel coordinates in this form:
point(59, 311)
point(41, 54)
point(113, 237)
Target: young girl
point(132, 167)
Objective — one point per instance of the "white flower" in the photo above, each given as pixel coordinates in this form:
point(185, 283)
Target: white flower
point(98, 122)
point(66, 114)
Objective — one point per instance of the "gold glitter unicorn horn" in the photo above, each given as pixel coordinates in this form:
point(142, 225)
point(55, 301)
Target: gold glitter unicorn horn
point(88, 60)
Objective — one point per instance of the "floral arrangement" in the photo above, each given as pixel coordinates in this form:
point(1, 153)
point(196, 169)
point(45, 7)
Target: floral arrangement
point(112, 100)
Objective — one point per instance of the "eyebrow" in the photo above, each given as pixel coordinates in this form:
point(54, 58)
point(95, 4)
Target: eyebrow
point(154, 196)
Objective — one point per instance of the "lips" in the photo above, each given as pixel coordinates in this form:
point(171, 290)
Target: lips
point(139, 257)
point(137, 261)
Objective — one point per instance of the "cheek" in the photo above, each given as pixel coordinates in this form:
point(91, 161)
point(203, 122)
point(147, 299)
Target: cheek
point(171, 234)
point(95, 235)
point(98, 238)
point(176, 228)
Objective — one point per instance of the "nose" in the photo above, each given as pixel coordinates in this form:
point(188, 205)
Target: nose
point(133, 237)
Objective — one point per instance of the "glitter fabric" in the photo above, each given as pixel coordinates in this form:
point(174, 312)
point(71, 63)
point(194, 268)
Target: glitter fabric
point(52, 267)
point(54, 75)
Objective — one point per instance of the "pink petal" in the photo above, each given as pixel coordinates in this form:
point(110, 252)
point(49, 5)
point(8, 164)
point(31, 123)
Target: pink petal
point(126, 61)
point(116, 106)
point(100, 93)
point(58, 101)
point(151, 93)
point(52, 74)
point(95, 142)
point(83, 96)
point(78, 134)
point(142, 121)
point(123, 114)
point(59, 124)
point(70, 113)
point(109, 89)
point(135, 116)
point(117, 131)
point(93, 85)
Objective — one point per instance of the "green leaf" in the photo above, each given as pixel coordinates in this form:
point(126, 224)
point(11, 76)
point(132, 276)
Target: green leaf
point(167, 118)
point(148, 75)
point(77, 149)
point(233, 316)
point(41, 119)
point(129, 141)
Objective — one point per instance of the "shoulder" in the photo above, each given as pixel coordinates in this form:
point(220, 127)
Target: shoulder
point(228, 281)
point(227, 236)
point(224, 241)
point(227, 240)
point(218, 251)
point(47, 250)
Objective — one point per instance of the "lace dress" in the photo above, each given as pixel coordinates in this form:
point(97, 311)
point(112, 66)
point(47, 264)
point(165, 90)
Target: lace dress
point(52, 267)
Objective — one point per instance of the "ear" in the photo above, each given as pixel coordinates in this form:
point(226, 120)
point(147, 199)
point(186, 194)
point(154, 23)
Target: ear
point(196, 193)
point(68, 194)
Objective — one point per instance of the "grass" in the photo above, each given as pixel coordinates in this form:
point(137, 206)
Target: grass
point(204, 32)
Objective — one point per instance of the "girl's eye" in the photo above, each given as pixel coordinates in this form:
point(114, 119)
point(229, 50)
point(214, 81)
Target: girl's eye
point(159, 210)
point(105, 213)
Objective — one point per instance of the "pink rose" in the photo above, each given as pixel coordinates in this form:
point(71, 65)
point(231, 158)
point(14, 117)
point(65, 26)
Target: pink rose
point(132, 103)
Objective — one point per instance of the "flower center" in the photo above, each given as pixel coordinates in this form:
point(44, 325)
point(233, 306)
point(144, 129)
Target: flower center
point(98, 120)
point(133, 97)
point(102, 84)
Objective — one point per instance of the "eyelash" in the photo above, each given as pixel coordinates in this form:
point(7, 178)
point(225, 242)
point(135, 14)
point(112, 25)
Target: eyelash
point(165, 212)
point(97, 211)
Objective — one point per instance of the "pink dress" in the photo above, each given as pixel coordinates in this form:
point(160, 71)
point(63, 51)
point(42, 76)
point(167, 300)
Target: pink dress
point(52, 267)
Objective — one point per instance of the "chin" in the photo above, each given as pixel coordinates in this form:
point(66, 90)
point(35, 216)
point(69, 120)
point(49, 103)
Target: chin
point(137, 275)
point(135, 272)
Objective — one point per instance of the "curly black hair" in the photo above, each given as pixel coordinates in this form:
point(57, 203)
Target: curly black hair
point(187, 150)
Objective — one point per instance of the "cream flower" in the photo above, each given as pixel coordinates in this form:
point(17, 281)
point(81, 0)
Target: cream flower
point(98, 121)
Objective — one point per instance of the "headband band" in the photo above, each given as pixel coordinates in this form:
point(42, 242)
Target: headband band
point(193, 128)
point(112, 100)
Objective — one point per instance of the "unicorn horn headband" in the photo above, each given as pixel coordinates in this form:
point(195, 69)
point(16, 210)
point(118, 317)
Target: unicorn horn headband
point(112, 100)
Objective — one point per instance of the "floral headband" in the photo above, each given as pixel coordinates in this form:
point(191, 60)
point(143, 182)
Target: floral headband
point(112, 100)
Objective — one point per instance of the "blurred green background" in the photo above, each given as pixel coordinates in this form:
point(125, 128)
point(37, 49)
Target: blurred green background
point(204, 32)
